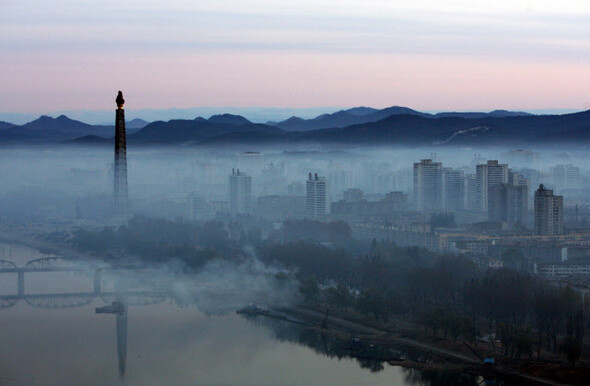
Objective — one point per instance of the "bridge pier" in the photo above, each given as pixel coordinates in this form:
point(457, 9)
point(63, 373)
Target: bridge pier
point(97, 277)
point(21, 283)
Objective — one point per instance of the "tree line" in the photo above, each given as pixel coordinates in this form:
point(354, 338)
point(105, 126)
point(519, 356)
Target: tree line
point(446, 294)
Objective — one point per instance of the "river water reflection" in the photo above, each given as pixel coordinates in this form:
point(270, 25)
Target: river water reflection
point(56, 339)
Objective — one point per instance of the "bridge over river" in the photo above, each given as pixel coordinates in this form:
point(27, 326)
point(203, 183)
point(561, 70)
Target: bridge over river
point(75, 299)
point(118, 300)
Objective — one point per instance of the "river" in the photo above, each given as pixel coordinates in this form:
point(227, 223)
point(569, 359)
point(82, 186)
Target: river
point(50, 338)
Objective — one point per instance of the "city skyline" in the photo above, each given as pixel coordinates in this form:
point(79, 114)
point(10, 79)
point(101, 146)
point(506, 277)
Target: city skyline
point(307, 192)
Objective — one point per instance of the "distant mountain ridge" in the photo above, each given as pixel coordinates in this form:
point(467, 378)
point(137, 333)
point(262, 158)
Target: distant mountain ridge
point(48, 129)
point(360, 115)
point(342, 118)
point(62, 128)
point(199, 129)
point(496, 128)
point(136, 124)
point(390, 126)
point(457, 130)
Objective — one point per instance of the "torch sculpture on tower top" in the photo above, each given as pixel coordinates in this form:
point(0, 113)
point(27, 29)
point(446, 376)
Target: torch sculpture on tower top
point(120, 175)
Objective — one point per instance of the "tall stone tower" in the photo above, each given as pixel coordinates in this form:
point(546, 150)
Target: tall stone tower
point(120, 180)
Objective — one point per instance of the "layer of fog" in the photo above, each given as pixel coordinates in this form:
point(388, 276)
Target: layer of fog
point(41, 184)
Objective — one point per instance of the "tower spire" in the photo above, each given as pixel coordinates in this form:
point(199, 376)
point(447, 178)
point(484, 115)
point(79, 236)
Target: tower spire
point(120, 176)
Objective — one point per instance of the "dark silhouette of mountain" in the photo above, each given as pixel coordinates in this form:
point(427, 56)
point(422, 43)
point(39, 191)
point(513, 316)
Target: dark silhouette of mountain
point(360, 115)
point(45, 124)
point(136, 124)
point(387, 126)
point(229, 119)
point(506, 113)
point(6, 125)
point(287, 123)
point(54, 129)
point(62, 128)
point(9, 133)
point(90, 140)
point(343, 118)
point(198, 129)
point(362, 110)
point(394, 130)
point(495, 113)
point(417, 130)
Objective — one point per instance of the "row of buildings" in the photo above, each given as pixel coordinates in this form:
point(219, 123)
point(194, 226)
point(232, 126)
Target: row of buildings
point(495, 196)
point(440, 188)
point(494, 190)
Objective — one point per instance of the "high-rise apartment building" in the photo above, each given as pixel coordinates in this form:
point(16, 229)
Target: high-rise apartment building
point(352, 195)
point(428, 185)
point(453, 189)
point(548, 212)
point(251, 161)
point(316, 200)
point(508, 203)
point(566, 177)
point(197, 207)
point(240, 193)
point(488, 175)
point(471, 193)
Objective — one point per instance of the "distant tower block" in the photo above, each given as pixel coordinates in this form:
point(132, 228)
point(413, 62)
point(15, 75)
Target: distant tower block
point(120, 177)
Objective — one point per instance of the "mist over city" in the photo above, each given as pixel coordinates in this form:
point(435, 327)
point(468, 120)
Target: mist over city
point(303, 194)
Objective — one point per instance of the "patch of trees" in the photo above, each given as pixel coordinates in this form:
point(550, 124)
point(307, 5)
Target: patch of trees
point(452, 298)
point(446, 294)
point(449, 323)
point(337, 233)
point(159, 241)
point(310, 260)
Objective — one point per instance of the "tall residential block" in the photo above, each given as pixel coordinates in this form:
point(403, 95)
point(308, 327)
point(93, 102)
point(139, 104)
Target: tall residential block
point(489, 174)
point(316, 200)
point(453, 189)
point(508, 203)
point(566, 177)
point(240, 193)
point(353, 195)
point(428, 185)
point(548, 212)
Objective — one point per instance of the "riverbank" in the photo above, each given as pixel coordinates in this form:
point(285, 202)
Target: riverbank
point(41, 241)
point(384, 341)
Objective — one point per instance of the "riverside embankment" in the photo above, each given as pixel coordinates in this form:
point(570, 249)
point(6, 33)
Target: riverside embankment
point(392, 345)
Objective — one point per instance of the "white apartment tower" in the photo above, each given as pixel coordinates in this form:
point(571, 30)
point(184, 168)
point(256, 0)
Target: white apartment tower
point(428, 186)
point(240, 193)
point(316, 202)
point(548, 212)
point(489, 174)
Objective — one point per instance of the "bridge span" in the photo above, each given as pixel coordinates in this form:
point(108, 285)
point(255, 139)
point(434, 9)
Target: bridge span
point(121, 296)
point(74, 299)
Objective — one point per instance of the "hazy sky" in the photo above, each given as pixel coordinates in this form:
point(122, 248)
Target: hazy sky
point(429, 55)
